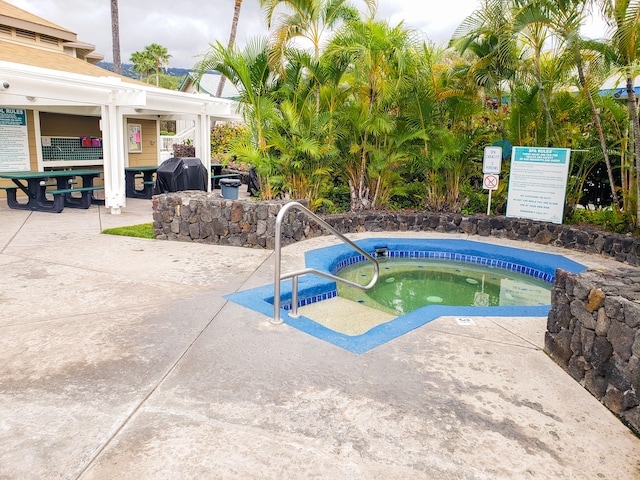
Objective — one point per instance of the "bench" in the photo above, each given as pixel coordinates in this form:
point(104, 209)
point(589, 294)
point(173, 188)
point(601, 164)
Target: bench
point(77, 189)
point(84, 201)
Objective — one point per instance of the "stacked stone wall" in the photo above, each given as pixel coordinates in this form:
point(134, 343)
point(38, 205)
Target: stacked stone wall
point(205, 217)
point(593, 332)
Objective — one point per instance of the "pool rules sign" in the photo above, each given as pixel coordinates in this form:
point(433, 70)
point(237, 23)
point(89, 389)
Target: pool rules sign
point(491, 166)
point(538, 183)
point(14, 140)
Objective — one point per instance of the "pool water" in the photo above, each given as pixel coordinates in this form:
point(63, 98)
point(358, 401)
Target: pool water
point(405, 285)
point(503, 263)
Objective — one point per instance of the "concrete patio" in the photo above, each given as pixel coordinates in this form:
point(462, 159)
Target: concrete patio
point(120, 358)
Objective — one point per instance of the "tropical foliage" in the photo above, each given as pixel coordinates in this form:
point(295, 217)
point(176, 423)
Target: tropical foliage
point(338, 102)
point(150, 60)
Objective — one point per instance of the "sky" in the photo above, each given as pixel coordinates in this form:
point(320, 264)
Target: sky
point(187, 27)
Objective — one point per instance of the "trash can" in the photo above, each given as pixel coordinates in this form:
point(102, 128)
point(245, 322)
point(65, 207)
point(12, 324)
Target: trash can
point(230, 187)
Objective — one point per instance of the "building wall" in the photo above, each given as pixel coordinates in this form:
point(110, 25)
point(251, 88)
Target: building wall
point(60, 125)
point(149, 153)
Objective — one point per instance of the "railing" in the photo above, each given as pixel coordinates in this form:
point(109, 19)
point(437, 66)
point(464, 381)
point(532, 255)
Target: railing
point(294, 275)
point(168, 141)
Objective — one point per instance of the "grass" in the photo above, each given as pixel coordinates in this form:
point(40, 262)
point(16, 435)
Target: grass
point(144, 230)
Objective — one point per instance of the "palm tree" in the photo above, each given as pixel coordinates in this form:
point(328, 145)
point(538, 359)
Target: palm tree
point(381, 63)
point(625, 15)
point(308, 19)
point(565, 19)
point(530, 21)
point(232, 39)
point(305, 19)
point(142, 64)
point(159, 55)
point(489, 34)
point(115, 37)
point(250, 73)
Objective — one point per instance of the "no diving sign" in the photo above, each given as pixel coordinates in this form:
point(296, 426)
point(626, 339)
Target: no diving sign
point(490, 182)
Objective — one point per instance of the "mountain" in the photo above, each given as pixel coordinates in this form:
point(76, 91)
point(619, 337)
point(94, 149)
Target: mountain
point(127, 70)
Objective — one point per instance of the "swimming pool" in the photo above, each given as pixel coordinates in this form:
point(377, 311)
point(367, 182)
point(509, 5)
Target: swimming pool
point(314, 289)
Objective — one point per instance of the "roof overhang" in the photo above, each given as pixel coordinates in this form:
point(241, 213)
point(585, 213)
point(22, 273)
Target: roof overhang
point(35, 87)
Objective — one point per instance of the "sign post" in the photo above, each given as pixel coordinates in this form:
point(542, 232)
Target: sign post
point(491, 166)
point(490, 182)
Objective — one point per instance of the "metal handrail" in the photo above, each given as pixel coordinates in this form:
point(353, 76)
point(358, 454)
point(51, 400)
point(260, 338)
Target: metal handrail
point(294, 275)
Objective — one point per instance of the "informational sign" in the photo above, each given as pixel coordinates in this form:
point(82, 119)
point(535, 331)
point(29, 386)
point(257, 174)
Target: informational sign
point(490, 182)
point(135, 138)
point(492, 161)
point(14, 140)
point(538, 183)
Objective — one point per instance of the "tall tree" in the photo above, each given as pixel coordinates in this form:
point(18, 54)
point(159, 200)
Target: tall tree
point(142, 64)
point(232, 40)
point(625, 16)
point(565, 19)
point(115, 37)
point(308, 19)
point(160, 56)
point(382, 64)
point(489, 34)
point(250, 73)
point(531, 21)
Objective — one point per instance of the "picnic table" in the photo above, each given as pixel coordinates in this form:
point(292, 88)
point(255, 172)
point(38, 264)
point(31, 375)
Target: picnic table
point(145, 174)
point(34, 185)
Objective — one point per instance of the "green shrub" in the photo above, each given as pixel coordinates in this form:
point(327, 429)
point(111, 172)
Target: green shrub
point(606, 218)
point(222, 135)
point(473, 201)
point(408, 196)
point(335, 199)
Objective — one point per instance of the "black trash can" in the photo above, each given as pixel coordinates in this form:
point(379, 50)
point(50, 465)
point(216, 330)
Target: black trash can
point(230, 187)
point(177, 174)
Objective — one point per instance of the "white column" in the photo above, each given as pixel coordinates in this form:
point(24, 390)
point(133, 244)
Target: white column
point(202, 136)
point(113, 127)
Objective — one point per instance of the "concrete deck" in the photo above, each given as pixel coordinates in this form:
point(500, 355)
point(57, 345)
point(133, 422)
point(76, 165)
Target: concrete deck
point(119, 358)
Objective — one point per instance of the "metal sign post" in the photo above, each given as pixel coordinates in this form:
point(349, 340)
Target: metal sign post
point(490, 182)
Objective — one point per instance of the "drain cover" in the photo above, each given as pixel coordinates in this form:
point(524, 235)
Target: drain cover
point(465, 321)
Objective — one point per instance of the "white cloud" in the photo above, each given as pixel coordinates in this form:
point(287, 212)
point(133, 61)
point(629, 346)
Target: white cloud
point(187, 27)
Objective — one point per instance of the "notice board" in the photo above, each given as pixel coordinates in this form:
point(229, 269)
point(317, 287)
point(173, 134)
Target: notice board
point(538, 183)
point(14, 140)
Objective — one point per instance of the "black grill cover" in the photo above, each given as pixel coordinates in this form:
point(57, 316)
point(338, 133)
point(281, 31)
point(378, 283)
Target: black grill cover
point(177, 174)
point(195, 174)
